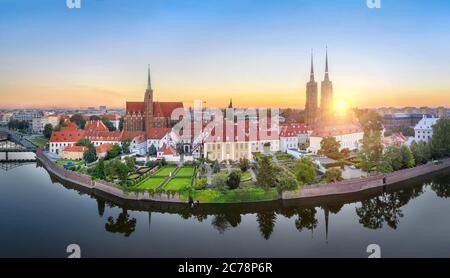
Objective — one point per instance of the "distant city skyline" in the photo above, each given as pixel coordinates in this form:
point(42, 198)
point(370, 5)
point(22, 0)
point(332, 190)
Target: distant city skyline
point(256, 52)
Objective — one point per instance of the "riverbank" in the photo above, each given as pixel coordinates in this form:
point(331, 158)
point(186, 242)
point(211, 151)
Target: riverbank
point(309, 191)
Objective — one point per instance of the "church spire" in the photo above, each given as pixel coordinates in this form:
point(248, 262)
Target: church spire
point(149, 81)
point(230, 105)
point(312, 67)
point(327, 77)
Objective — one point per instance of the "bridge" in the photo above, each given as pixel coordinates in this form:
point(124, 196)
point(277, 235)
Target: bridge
point(12, 142)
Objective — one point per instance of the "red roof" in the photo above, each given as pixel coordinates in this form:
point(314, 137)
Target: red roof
point(158, 133)
point(69, 126)
point(104, 135)
point(130, 135)
point(337, 129)
point(103, 148)
point(160, 109)
point(95, 126)
point(167, 150)
point(165, 109)
point(292, 129)
point(75, 149)
point(67, 136)
point(135, 107)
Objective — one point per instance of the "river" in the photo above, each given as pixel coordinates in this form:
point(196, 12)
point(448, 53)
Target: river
point(41, 216)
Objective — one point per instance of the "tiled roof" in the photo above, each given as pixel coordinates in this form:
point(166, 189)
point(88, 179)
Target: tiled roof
point(75, 149)
point(165, 109)
point(157, 133)
point(167, 150)
point(104, 135)
point(130, 135)
point(135, 107)
point(67, 136)
point(290, 130)
point(337, 129)
point(103, 148)
point(95, 126)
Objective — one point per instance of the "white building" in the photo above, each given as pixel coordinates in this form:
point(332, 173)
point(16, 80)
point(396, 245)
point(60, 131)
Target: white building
point(423, 131)
point(348, 135)
point(291, 135)
point(38, 124)
point(158, 137)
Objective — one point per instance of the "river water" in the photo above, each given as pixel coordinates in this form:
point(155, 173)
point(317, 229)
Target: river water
point(41, 216)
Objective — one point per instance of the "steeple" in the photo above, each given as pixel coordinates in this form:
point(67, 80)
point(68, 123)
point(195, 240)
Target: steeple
point(231, 103)
point(327, 77)
point(149, 81)
point(311, 78)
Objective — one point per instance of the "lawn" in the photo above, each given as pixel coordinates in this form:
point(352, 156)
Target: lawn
point(155, 180)
point(39, 141)
point(182, 179)
point(246, 194)
point(245, 176)
point(61, 162)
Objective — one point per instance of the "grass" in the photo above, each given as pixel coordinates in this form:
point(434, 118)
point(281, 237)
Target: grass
point(182, 179)
point(245, 194)
point(245, 176)
point(39, 141)
point(61, 162)
point(155, 180)
point(283, 156)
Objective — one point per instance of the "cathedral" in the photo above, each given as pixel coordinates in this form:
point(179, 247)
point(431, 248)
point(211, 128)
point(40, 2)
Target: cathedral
point(143, 116)
point(314, 115)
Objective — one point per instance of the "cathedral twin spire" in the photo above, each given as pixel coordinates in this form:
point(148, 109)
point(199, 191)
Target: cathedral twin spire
point(149, 81)
point(327, 76)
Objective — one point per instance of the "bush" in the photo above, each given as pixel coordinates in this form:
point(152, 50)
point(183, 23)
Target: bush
point(219, 180)
point(333, 175)
point(216, 167)
point(234, 179)
point(200, 184)
point(244, 164)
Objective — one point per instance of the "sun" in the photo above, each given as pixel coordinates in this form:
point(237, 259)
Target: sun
point(341, 106)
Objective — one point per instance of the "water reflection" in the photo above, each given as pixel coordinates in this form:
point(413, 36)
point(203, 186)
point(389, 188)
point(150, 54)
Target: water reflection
point(373, 209)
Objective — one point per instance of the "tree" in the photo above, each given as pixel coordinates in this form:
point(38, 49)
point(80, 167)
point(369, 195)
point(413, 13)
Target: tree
point(216, 167)
point(370, 120)
point(371, 152)
point(265, 176)
point(100, 171)
point(385, 165)
point(84, 142)
point(234, 179)
point(152, 151)
point(440, 140)
point(345, 153)
point(94, 118)
point(285, 179)
point(162, 162)
point(114, 151)
point(125, 146)
point(79, 120)
point(330, 148)
point(305, 170)
point(219, 180)
point(90, 155)
point(407, 157)
point(48, 129)
point(121, 123)
point(244, 164)
point(394, 155)
point(108, 124)
point(130, 161)
point(333, 175)
point(421, 152)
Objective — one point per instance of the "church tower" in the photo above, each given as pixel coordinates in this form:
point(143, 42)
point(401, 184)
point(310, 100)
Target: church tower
point(311, 105)
point(326, 92)
point(148, 103)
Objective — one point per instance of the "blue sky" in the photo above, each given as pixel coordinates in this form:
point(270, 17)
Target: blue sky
point(256, 51)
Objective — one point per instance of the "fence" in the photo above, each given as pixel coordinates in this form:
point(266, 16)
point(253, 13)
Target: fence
point(356, 185)
point(101, 185)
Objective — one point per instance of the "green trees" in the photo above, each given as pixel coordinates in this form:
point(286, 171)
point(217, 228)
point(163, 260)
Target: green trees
point(421, 152)
point(84, 142)
point(18, 125)
point(79, 120)
point(333, 175)
point(407, 157)
point(234, 179)
point(372, 149)
point(100, 171)
point(114, 151)
point(130, 161)
point(115, 168)
point(265, 177)
point(305, 170)
point(244, 164)
point(90, 155)
point(125, 146)
point(385, 165)
point(440, 142)
point(108, 124)
point(216, 167)
point(330, 148)
point(219, 180)
point(48, 129)
point(152, 150)
point(394, 156)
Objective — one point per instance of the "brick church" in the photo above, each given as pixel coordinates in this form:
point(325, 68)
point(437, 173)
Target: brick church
point(143, 116)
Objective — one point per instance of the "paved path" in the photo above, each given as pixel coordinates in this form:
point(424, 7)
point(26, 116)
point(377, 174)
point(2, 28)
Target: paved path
point(274, 158)
point(253, 174)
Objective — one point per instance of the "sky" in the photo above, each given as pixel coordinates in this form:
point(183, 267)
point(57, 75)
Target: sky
point(256, 52)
